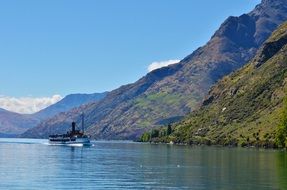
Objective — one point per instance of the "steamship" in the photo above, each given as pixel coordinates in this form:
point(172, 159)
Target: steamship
point(73, 137)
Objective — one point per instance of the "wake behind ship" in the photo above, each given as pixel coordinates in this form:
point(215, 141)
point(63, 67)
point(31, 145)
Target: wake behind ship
point(73, 137)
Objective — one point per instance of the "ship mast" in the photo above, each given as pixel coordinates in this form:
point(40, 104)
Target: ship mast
point(83, 122)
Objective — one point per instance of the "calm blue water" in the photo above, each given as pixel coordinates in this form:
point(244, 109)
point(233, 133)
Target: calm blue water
point(33, 164)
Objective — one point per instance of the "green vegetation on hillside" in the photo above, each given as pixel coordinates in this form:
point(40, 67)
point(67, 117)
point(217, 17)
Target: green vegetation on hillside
point(281, 134)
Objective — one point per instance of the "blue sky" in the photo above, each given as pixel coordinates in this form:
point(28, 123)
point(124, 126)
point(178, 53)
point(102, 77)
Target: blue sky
point(60, 47)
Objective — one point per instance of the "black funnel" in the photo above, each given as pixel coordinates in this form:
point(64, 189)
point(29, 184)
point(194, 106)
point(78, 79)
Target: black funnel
point(73, 126)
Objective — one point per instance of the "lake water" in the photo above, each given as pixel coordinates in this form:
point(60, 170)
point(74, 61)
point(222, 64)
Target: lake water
point(33, 164)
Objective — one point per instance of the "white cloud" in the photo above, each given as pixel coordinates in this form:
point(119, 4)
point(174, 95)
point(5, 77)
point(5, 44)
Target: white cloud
point(27, 105)
point(160, 64)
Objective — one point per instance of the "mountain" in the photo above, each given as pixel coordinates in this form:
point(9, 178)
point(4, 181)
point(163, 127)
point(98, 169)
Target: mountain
point(173, 91)
point(12, 124)
point(60, 123)
point(69, 102)
point(246, 107)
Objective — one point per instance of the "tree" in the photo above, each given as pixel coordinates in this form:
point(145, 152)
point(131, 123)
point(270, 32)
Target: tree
point(145, 137)
point(162, 133)
point(154, 133)
point(169, 130)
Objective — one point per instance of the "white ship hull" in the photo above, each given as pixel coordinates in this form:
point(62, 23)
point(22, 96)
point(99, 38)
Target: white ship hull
point(69, 141)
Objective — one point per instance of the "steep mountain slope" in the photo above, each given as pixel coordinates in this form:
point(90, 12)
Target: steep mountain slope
point(13, 123)
point(69, 102)
point(176, 90)
point(243, 108)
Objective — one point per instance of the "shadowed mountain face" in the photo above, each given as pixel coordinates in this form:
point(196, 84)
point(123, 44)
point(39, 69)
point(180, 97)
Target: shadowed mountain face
point(176, 90)
point(244, 108)
point(13, 124)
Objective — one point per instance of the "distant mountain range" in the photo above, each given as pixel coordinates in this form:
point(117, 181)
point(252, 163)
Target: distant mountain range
point(69, 102)
point(171, 92)
point(246, 107)
point(13, 124)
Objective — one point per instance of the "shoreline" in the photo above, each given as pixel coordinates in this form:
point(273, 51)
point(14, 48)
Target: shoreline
point(217, 145)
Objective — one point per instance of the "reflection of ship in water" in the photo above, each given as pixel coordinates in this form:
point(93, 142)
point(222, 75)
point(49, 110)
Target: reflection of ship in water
point(73, 137)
